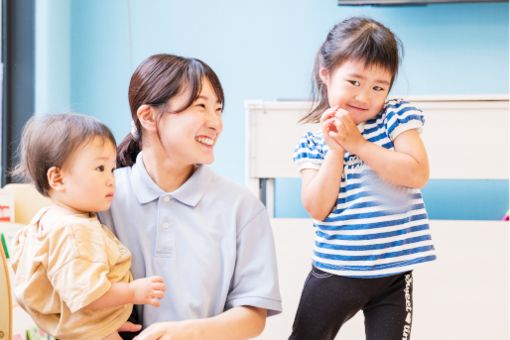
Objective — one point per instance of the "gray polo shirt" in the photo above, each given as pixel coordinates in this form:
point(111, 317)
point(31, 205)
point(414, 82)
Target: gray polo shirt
point(210, 240)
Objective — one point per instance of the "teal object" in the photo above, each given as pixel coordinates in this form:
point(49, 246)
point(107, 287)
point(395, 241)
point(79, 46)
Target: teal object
point(4, 245)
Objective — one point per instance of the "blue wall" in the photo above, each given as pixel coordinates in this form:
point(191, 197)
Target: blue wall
point(264, 50)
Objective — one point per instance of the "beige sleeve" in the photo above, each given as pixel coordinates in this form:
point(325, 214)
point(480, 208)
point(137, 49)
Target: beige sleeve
point(78, 264)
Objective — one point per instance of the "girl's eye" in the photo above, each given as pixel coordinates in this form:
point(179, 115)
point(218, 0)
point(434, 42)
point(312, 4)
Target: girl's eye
point(202, 106)
point(354, 82)
point(100, 168)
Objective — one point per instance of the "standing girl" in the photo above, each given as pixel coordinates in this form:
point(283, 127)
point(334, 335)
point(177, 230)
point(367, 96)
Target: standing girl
point(361, 175)
point(210, 239)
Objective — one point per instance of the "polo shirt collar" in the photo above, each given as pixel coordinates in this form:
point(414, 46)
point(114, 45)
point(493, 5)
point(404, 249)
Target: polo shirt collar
point(189, 193)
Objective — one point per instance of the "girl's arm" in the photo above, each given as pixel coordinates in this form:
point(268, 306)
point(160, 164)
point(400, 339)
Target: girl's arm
point(234, 324)
point(319, 188)
point(142, 291)
point(407, 165)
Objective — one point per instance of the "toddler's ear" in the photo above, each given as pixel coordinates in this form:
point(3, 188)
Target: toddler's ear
point(147, 117)
point(55, 179)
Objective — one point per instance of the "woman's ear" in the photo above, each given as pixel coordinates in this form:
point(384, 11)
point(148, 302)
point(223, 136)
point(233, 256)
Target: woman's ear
point(324, 75)
point(147, 117)
point(55, 178)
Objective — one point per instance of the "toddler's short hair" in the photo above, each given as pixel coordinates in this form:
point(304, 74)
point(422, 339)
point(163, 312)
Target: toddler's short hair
point(50, 140)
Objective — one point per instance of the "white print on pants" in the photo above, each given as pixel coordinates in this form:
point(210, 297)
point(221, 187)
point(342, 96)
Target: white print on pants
point(409, 308)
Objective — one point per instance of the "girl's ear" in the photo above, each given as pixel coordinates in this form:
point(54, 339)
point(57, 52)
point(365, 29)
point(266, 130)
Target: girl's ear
point(147, 116)
point(324, 75)
point(55, 178)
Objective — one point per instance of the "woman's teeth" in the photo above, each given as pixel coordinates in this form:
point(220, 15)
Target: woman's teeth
point(205, 140)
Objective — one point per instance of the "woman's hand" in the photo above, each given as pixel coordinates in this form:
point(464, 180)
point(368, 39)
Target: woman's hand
point(243, 322)
point(169, 330)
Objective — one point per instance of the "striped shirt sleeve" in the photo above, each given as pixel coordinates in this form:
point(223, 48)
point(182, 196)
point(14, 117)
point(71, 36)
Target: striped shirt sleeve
point(310, 151)
point(402, 116)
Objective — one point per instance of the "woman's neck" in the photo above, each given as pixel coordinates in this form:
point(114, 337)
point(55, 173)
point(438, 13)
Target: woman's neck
point(167, 174)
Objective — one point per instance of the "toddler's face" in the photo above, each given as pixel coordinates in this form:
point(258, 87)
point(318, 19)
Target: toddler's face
point(357, 89)
point(88, 177)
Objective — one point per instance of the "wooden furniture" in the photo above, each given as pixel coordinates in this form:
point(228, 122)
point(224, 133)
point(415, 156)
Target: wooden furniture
point(5, 298)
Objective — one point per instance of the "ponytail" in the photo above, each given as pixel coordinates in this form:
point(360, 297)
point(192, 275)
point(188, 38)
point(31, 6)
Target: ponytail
point(127, 151)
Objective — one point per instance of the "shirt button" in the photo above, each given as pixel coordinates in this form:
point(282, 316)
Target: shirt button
point(166, 199)
point(166, 225)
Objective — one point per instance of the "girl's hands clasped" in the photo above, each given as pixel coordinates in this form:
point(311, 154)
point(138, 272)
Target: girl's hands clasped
point(339, 130)
point(329, 129)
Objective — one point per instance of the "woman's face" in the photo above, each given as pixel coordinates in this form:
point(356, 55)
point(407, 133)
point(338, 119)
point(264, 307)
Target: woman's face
point(189, 137)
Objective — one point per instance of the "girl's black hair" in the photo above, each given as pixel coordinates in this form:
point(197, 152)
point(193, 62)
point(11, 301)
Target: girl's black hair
point(355, 38)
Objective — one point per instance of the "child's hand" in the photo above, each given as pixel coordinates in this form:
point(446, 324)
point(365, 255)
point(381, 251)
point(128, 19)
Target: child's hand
point(329, 129)
point(128, 326)
point(347, 133)
point(148, 290)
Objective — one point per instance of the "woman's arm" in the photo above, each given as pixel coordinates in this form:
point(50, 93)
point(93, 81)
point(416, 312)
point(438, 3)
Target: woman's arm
point(237, 323)
point(142, 291)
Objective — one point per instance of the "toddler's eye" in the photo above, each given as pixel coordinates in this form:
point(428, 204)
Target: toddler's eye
point(378, 88)
point(100, 168)
point(354, 82)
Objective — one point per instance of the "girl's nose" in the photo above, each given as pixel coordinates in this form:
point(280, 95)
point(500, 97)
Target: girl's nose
point(110, 180)
point(362, 96)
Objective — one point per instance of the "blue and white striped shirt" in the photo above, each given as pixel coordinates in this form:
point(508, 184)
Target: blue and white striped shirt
point(376, 229)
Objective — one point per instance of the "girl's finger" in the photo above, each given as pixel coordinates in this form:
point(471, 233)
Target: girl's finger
point(328, 113)
point(341, 113)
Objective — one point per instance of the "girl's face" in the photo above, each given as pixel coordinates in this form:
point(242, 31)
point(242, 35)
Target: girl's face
point(189, 137)
point(87, 177)
point(357, 89)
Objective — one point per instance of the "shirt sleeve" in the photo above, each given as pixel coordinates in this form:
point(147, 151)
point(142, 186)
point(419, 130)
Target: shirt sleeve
point(310, 152)
point(255, 280)
point(402, 116)
point(78, 265)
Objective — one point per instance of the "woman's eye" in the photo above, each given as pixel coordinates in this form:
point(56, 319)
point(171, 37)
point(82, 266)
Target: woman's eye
point(202, 106)
point(354, 82)
point(100, 168)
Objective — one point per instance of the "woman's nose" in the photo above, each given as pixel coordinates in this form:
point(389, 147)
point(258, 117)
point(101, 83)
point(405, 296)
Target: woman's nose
point(214, 121)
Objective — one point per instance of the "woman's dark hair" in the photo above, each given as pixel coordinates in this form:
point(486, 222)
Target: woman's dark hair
point(155, 82)
point(352, 39)
point(49, 141)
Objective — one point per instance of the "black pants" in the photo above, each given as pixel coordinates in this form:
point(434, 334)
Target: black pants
point(328, 301)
